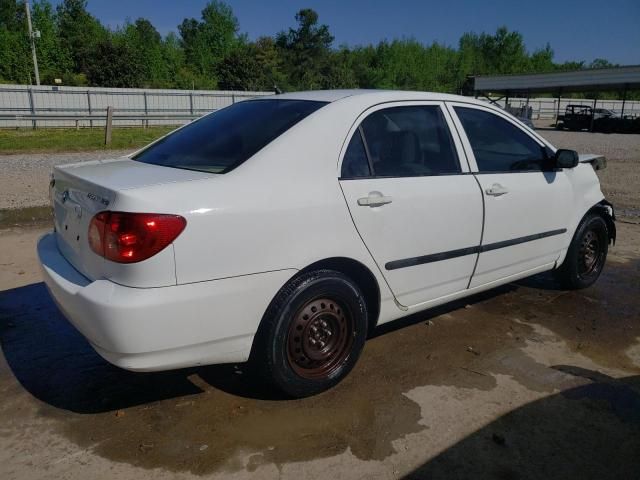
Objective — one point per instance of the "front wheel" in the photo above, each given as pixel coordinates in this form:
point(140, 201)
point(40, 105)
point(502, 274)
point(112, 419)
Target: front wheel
point(586, 255)
point(313, 333)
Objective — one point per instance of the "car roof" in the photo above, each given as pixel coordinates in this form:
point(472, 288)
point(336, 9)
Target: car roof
point(377, 95)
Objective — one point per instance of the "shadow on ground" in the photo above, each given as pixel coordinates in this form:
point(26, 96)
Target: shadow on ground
point(588, 432)
point(57, 365)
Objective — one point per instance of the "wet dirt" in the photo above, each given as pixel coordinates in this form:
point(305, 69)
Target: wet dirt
point(221, 419)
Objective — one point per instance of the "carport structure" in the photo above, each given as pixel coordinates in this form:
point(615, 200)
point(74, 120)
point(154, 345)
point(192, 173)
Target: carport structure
point(588, 80)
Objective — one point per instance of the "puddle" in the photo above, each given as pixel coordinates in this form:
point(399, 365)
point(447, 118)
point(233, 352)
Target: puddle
point(601, 322)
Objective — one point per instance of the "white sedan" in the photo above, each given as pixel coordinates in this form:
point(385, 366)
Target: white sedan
point(283, 229)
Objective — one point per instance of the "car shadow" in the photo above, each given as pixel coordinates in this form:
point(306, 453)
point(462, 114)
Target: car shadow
point(588, 432)
point(449, 307)
point(57, 365)
point(542, 281)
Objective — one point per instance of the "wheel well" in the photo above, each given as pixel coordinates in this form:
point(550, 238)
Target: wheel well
point(359, 274)
point(605, 210)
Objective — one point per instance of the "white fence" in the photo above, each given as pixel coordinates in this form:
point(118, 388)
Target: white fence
point(52, 106)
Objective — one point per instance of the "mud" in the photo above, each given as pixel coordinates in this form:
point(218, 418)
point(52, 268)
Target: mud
point(423, 386)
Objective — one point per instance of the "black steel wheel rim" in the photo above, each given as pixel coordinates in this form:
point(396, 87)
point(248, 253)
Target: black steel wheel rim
point(320, 338)
point(590, 254)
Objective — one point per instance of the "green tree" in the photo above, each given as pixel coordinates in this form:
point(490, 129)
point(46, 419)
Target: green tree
point(503, 52)
point(541, 61)
point(15, 53)
point(53, 58)
point(602, 63)
point(240, 69)
point(80, 32)
point(306, 51)
point(209, 53)
point(207, 42)
point(145, 42)
point(114, 65)
point(271, 64)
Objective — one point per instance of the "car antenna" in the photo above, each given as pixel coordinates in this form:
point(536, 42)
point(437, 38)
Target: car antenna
point(277, 90)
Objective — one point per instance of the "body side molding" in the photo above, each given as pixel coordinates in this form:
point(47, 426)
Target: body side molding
point(437, 257)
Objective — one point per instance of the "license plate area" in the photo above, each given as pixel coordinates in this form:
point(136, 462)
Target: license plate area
point(68, 221)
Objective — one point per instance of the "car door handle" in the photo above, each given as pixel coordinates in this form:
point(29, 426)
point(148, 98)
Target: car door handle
point(375, 199)
point(496, 190)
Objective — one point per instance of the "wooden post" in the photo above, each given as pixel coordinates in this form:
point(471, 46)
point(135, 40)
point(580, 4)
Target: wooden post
point(89, 106)
point(32, 106)
point(145, 122)
point(108, 126)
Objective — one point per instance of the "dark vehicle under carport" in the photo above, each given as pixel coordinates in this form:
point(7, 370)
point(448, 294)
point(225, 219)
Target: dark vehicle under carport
point(619, 79)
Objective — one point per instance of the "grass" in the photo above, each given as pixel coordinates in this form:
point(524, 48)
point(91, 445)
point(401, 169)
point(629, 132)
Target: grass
point(27, 140)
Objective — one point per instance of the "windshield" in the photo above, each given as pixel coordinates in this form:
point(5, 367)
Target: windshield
point(219, 142)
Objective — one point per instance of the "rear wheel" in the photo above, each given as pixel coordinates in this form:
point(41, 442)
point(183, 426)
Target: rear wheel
point(313, 333)
point(586, 255)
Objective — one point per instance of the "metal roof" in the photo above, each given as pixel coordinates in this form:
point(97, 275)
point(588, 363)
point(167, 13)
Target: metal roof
point(575, 81)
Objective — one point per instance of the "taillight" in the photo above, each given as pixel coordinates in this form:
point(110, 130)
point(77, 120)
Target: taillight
point(132, 237)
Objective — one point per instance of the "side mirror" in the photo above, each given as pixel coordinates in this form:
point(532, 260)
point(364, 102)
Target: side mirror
point(566, 158)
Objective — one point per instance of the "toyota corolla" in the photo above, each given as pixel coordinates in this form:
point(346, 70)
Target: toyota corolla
point(284, 229)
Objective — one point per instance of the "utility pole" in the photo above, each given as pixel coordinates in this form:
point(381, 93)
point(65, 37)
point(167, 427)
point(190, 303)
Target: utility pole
point(33, 41)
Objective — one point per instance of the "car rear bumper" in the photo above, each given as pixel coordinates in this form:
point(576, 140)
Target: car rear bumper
point(147, 329)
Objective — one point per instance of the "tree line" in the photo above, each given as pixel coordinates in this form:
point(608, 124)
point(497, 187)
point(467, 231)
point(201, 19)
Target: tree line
point(212, 53)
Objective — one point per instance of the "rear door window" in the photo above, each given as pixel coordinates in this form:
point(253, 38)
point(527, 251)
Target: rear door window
point(355, 163)
point(224, 139)
point(410, 141)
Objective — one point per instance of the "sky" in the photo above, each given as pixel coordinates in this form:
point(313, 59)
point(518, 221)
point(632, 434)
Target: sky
point(575, 29)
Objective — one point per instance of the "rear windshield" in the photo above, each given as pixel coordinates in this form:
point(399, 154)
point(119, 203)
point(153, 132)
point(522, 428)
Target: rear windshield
point(224, 139)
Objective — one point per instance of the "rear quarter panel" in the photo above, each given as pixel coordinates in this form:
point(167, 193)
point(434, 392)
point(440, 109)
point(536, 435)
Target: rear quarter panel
point(281, 209)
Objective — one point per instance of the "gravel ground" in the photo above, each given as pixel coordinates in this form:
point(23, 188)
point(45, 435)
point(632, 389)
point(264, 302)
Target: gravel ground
point(25, 177)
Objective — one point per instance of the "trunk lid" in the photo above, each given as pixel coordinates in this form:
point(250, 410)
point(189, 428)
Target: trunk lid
point(79, 191)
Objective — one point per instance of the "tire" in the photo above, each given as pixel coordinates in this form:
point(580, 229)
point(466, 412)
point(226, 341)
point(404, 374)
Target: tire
point(312, 334)
point(587, 254)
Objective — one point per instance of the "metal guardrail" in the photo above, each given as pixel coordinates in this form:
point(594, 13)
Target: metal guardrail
point(100, 118)
point(96, 116)
point(62, 106)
